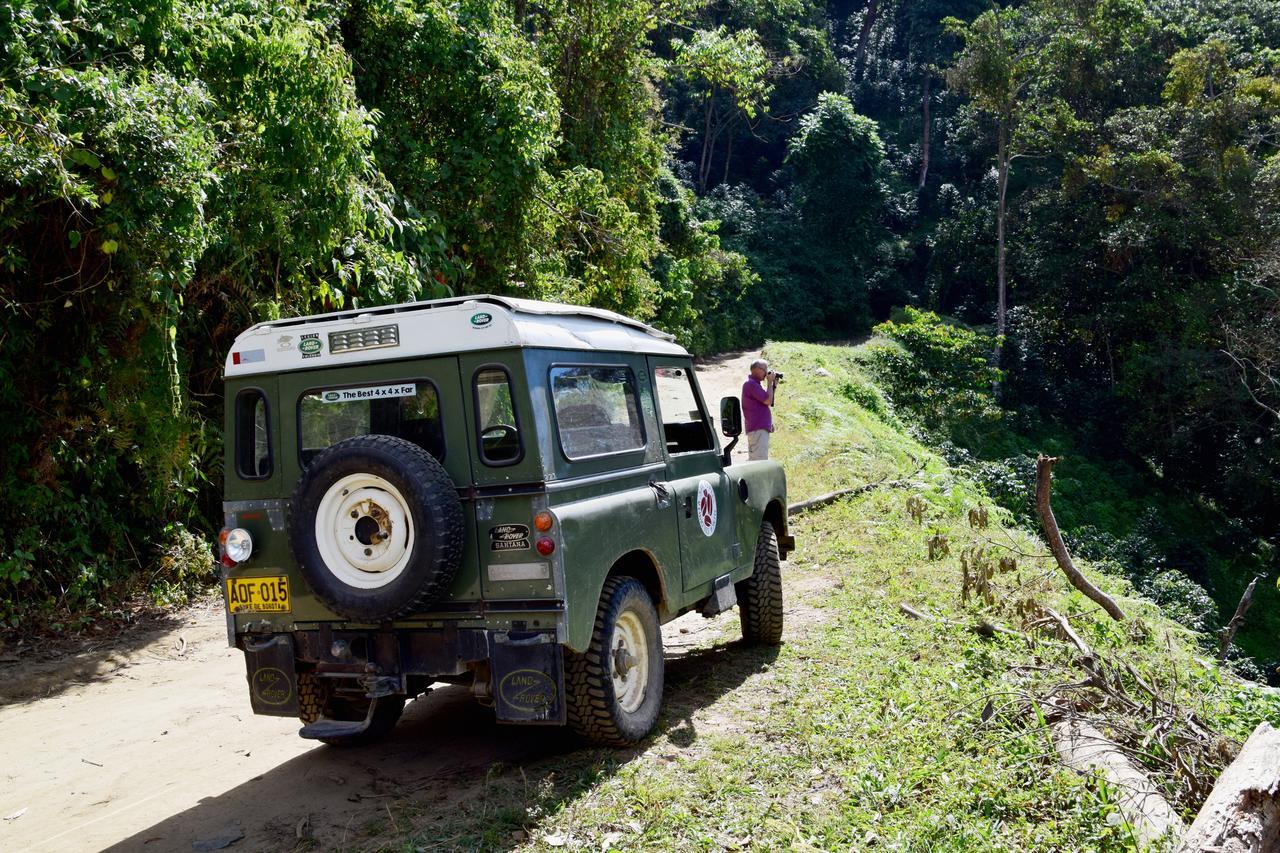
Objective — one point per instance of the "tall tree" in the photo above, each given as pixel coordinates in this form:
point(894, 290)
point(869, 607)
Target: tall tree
point(994, 69)
point(732, 72)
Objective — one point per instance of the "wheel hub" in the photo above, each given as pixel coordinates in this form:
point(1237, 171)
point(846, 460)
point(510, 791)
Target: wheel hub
point(364, 531)
point(623, 660)
point(630, 661)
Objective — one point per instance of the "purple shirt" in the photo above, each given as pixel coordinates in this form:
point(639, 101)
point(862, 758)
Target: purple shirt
point(755, 410)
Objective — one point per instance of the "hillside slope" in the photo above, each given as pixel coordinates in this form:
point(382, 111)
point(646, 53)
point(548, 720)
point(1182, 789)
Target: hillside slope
point(868, 728)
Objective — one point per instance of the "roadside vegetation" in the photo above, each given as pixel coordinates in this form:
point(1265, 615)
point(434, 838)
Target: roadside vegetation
point(1096, 182)
point(868, 729)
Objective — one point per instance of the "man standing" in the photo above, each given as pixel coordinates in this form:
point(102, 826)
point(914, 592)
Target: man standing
point(757, 408)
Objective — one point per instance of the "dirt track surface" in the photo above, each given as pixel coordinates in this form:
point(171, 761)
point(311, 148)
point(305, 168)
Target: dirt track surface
point(148, 742)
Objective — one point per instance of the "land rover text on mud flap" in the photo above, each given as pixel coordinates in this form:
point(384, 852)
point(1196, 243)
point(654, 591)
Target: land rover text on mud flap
point(508, 494)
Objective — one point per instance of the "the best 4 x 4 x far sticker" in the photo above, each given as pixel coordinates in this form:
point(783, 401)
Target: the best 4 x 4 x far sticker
point(351, 395)
point(707, 513)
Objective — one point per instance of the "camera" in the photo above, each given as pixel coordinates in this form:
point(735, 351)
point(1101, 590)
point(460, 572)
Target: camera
point(777, 374)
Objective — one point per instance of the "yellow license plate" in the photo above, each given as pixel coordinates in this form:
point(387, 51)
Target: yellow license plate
point(258, 595)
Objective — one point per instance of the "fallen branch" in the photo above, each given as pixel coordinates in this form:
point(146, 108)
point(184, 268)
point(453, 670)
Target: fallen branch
point(1067, 632)
point(1044, 473)
point(1086, 750)
point(1242, 813)
point(982, 627)
point(832, 497)
point(916, 614)
point(1229, 632)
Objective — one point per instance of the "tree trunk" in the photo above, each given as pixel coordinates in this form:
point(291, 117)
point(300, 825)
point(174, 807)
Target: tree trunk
point(704, 165)
point(1087, 751)
point(1044, 474)
point(728, 155)
point(1002, 185)
point(1242, 814)
point(868, 21)
point(925, 129)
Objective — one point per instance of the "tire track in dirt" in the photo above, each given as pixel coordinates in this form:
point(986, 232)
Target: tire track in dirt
point(155, 748)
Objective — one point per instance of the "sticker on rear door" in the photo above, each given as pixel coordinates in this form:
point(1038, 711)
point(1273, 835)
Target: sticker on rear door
point(707, 513)
point(353, 395)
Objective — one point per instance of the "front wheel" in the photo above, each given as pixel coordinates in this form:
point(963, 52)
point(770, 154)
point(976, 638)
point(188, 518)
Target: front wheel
point(614, 688)
point(760, 596)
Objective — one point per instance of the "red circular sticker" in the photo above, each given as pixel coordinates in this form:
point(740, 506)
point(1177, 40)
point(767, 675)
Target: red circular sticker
point(707, 513)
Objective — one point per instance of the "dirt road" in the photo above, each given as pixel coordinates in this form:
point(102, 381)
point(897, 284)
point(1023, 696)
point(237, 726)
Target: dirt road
point(148, 743)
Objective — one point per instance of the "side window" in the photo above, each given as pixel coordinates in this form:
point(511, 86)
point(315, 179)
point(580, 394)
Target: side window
point(684, 423)
point(597, 410)
point(409, 410)
point(253, 436)
point(499, 439)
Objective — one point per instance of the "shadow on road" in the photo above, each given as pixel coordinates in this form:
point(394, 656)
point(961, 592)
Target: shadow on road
point(46, 667)
point(444, 754)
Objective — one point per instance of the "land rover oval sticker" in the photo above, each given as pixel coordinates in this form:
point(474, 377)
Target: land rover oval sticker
point(707, 513)
point(481, 320)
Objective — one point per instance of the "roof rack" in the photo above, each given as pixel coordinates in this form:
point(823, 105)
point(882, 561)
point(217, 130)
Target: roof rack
point(522, 306)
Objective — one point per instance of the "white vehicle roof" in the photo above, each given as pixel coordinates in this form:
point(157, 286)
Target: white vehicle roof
point(437, 327)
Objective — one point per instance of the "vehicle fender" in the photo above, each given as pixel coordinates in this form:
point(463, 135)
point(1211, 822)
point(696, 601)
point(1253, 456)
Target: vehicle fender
point(765, 485)
point(626, 530)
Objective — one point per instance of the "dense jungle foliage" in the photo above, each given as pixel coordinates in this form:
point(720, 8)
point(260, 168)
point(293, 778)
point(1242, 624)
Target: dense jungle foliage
point(1098, 181)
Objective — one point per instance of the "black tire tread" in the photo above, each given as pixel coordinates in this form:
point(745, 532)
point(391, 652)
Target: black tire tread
point(588, 685)
point(760, 596)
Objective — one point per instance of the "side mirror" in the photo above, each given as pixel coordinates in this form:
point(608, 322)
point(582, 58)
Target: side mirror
point(730, 417)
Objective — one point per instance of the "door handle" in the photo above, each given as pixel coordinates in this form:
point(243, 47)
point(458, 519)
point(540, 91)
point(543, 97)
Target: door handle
point(663, 493)
point(688, 506)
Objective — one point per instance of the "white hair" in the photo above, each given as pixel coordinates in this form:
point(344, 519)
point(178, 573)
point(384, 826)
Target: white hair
point(759, 362)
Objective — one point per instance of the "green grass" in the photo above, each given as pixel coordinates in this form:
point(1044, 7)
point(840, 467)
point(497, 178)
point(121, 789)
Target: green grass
point(865, 729)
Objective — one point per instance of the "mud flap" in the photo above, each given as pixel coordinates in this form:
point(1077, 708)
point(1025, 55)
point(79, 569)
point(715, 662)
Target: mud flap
point(528, 678)
point(273, 682)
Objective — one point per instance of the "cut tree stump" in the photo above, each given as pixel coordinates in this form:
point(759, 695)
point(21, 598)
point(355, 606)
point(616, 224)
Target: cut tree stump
point(1242, 814)
point(1086, 750)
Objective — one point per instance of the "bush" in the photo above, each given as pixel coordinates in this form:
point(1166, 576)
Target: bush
point(939, 371)
point(1182, 599)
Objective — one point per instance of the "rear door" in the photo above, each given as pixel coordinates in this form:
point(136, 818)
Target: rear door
point(701, 489)
point(418, 400)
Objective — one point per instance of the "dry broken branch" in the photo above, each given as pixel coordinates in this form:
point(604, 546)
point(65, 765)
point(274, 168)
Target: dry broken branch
point(1229, 632)
point(1044, 473)
point(831, 497)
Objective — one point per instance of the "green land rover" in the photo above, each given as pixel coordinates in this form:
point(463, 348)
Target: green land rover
point(508, 494)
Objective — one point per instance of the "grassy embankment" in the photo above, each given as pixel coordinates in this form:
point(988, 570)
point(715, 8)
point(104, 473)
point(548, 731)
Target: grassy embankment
point(867, 729)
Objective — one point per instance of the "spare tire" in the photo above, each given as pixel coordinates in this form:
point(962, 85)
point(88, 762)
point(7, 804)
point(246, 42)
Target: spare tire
point(376, 528)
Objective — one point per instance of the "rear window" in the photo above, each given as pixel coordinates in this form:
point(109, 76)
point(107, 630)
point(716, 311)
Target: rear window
point(253, 436)
point(597, 410)
point(409, 410)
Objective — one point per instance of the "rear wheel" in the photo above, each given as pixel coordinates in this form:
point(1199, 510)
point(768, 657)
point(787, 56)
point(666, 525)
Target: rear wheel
point(614, 688)
point(760, 596)
point(316, 699)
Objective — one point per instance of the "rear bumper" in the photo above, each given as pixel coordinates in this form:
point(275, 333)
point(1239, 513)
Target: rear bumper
point(524, 671)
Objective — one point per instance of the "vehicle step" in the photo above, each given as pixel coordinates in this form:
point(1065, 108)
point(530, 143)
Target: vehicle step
point(333, 728)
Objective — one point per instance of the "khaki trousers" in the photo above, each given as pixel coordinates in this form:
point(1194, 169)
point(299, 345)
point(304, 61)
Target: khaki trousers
point(758, 444)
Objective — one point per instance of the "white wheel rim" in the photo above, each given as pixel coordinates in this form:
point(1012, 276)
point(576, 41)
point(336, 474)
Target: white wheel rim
point(364, 531)
point(629, 661)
